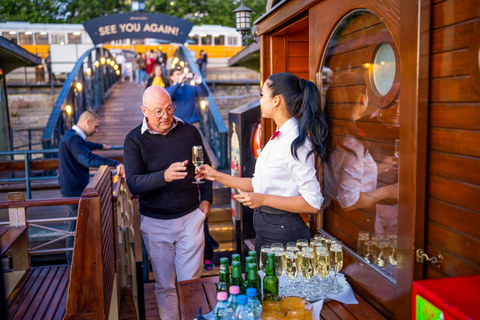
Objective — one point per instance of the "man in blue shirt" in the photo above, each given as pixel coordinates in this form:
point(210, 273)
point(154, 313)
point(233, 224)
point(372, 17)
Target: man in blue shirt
point(75, 158)
point(184, 96)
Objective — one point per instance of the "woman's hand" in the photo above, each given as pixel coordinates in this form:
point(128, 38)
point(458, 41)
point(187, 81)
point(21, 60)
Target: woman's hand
point(205, 172)
point(388, 164)
point(250, 199)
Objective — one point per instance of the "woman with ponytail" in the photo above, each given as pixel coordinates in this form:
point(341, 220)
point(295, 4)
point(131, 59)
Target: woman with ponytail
point(285, 182)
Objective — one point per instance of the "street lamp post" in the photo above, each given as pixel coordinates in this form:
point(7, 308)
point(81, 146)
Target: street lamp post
point(243, 22)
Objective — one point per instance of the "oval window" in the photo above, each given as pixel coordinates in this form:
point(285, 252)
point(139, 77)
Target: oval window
point(384, 69)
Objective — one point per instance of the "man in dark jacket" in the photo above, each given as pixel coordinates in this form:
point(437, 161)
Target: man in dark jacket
point(173, 208)
point(75, 158)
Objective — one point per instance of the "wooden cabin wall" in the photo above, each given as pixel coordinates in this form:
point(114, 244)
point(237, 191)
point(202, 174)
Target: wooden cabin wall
point(284, 51)
point(453, 174)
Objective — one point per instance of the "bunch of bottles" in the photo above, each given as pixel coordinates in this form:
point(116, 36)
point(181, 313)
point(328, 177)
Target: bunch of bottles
point(238, 298)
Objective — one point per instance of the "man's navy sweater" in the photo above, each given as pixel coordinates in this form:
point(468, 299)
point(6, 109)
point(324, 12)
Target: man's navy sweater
point(75, 157)
point(147, 156)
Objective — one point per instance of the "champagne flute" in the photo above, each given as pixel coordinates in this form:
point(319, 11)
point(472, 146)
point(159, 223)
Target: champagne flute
point(322, 266)
point(197, 160)
point(290, 268)
point(307, 268)
point(362, 237)
point(336, 263)
point(277, 249)
point(396, 153)
point(264, 251)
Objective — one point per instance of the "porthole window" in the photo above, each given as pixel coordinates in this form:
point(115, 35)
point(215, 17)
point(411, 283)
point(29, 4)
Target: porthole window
point(384, 69)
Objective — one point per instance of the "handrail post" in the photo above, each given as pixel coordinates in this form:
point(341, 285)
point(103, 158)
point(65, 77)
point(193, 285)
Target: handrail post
point(18, 218)
point(27, 176)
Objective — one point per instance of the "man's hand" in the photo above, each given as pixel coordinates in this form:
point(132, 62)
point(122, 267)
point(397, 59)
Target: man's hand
point(205, 208)
point(121, 170)
point(106, 147)
point(176, 171)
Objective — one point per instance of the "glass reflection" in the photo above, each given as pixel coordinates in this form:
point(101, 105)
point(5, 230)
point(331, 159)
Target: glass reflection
point(361, 172)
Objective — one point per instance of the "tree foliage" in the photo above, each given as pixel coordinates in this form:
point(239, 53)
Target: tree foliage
point(77, 11)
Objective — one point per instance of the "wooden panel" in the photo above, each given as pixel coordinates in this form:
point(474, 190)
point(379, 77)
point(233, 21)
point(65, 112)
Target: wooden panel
point(452, 265)
point(455, 141)
point(457, 218)
point(297, 49)
point(376, 132)
point(452, 12)
point(454, 192)
point(454, 167)
point(8, 236)
point(451, 63)
point(453, 242)
point(297, 65)
point(455, 115)
point(457, 89)
point(357, 40)
point(19, 165)
point(277, 52)
point(347, 60)
point(452, 37)
point(364, 218)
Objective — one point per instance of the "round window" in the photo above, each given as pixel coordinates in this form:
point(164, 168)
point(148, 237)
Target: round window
point(384, 68)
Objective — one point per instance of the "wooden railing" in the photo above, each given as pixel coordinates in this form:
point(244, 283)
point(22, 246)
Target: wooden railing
point(107, 253)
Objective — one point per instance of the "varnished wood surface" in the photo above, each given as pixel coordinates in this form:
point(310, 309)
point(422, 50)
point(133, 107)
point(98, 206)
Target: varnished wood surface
point(8, 236)
point(40, 294)
point(202, 293)
point(120, 114)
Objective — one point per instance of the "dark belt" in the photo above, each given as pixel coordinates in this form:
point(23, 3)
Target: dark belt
point(271, 210)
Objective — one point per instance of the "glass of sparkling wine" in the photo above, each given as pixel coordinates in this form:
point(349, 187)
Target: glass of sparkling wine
point(336, 263)
point(277, 249)
point(362, 237)
point(322, 266)
point(290, 268)
point(396, 153)
point(197, 160)
point(307, 268)
point(264, 251)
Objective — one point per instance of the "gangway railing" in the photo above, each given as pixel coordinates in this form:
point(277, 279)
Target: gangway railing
point(211, 121)
point(85, 88)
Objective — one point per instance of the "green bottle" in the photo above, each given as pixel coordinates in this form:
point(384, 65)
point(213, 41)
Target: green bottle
point(224, 281)
point(237, 279)
point(270, 281)
point(248, 261)
point(235, 257)
point(254, 255)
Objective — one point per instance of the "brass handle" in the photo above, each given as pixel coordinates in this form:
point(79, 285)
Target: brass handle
point(422, 256)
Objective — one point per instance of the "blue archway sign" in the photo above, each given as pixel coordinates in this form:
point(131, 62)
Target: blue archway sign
point(138, 26)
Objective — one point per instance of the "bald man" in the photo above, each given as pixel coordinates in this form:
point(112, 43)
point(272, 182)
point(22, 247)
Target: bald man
point(75, 158)
point(158, 168)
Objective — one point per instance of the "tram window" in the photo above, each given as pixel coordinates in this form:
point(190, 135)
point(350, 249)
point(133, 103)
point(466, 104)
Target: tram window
point(207, 39)
point(232, 41)
point(58, 38)
point(193, 38)
point(26, 37)
point(41, 38)
point(74, 37)
point(10, 35)
point(220, 40)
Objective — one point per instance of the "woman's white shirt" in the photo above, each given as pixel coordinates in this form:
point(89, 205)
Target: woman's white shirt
point(278, 173)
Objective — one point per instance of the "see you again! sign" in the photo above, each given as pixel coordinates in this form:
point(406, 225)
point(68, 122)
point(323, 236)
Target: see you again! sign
point(138, 26)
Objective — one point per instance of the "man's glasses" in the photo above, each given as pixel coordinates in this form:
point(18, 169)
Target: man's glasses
point(160, 113)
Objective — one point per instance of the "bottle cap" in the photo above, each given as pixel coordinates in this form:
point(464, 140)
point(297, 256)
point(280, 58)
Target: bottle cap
point(235, 263)
point(234, 290)
point(222, 296)
point(252, 292)
point(223, 260)
point(242, 299)
point(236, 256)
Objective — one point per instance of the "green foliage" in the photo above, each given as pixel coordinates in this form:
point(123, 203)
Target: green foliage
point(35, 11)
point(78, 11)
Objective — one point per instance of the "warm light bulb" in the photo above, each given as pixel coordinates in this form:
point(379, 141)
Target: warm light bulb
point(173, 66)
point(97, 64)
point(108, 61)
point(112, 63)
point(185, 70)
point(175, 60)
point(182, 64)
point(118, 72)
point(115, 67)
point(102, 60)
point(203, 104)
point(192, 82)
point(79, 86)
point(68, 109)
point(366, 65)
point(89, 71)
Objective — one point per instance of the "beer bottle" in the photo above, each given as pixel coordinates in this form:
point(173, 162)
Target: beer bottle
point(248, 261)
point(235, 257)
point(270, 281)
point(237, 275)
point(224, 281)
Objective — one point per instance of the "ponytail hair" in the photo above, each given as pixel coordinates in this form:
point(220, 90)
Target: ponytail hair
point(302, 99)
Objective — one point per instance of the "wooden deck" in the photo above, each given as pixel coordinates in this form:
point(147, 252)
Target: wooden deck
point(120, 114)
